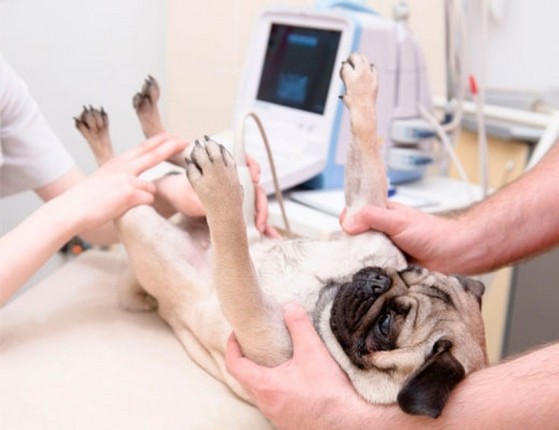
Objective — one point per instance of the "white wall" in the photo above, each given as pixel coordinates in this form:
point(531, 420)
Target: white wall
point(521, 46)
point(72, 53)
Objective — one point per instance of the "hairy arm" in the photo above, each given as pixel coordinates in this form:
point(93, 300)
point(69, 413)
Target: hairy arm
point(515, 222)
point(310, 391)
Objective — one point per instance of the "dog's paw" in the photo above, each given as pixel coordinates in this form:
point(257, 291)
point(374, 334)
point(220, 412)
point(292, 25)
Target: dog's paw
point(147, 98)
point(92, 121)
point(93, 124)
point(361, 82)
point(145, 105)
point(212, 172)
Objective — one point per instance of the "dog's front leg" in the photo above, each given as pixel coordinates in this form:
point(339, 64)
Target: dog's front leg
point(365, 176)
point(258, 326)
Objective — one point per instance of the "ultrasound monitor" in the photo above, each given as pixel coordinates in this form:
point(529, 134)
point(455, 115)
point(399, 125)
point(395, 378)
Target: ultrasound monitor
point(298, 66)
point(291, 81)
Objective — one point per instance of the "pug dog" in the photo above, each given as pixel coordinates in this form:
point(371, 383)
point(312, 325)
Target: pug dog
point(401, 332)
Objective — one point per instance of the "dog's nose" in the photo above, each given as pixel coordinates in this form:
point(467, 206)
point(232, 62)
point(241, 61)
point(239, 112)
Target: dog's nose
point(373, 278)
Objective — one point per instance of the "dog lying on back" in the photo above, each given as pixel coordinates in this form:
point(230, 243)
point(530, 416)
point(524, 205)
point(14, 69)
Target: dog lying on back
point(401, 333)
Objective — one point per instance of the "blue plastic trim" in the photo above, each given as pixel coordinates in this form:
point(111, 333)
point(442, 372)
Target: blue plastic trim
point(351, 5)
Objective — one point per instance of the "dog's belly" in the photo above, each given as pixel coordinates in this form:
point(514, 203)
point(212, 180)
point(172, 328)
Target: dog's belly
point(174, 266)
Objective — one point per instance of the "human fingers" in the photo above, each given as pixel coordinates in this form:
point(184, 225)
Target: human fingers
point(143, 186)
point(177, 192)
point(134, 192)
point(307, 345)
point(144, 147)
point(390, 220)
point(271, 232)
point(165, 148)
point(241, 368)
point(150, 152)
point(261, 203)
point(254, 169)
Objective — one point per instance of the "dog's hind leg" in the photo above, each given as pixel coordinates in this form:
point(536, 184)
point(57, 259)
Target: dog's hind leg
point(93, 124)
point(365, 176)
point(145, 104)
point(131, 295)
point(258, 326)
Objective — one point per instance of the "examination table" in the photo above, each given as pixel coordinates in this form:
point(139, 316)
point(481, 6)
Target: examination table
point(71, 358)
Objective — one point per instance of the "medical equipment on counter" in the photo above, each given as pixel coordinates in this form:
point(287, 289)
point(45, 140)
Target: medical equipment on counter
point(290, 80)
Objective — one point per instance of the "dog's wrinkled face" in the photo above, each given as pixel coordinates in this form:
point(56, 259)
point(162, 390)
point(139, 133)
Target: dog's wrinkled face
point(409, 336)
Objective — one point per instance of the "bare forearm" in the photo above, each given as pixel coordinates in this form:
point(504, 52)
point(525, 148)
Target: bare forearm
point(101, 236)
point(519, 394)
point(516, 222)
point(28, 246)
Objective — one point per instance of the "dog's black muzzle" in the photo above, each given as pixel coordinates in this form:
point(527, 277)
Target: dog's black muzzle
point(353, 301)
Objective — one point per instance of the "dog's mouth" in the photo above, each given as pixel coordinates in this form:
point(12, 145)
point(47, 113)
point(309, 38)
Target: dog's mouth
point(358, 319)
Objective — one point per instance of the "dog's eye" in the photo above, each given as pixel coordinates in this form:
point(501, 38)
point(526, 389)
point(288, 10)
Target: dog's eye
point(384, 324)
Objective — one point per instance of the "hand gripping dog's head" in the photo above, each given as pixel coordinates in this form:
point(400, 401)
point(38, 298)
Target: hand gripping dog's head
point(407, 336)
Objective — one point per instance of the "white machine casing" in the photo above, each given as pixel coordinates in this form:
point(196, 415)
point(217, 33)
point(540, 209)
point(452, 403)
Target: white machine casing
point(324, 137)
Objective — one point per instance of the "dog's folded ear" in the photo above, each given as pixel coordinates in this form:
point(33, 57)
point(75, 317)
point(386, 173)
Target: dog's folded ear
point(427, 389)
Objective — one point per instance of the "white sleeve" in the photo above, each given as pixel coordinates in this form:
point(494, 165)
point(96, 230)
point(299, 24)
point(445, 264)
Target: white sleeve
point(31, 155)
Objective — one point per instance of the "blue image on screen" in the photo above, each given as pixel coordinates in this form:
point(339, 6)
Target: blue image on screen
point(292, 88)
point(298, 67)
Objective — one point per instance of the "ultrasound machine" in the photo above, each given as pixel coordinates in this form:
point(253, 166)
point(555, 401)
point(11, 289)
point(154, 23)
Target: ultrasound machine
point(291, 82)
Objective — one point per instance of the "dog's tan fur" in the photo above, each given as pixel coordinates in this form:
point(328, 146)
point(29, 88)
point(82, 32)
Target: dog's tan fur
point(204, 292)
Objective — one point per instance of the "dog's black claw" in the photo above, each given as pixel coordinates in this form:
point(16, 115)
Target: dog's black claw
point(189, 162)
point(192, 160)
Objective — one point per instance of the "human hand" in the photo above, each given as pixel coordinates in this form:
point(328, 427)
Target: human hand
point(177, 195)
point(307, 392)
point(261, 201)
point(427, 239)
point(115, 187)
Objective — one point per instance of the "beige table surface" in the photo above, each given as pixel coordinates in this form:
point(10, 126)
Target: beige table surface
point(71, 358)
